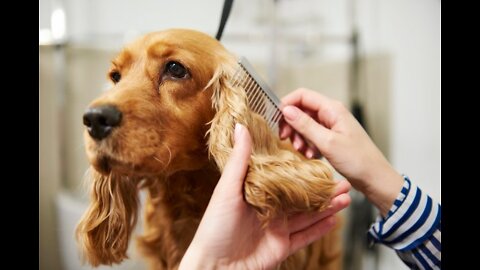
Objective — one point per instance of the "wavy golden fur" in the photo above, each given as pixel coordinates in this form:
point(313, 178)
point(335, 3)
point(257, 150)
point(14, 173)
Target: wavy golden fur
point(174, 139)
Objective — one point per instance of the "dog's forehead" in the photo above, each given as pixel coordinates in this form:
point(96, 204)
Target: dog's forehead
point(180, 36)
point(164, 42)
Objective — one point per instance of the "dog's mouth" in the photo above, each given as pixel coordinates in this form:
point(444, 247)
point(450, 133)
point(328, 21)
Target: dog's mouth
point(112, 157)
point(103, 159)
point(103, 165)
point(106, 165)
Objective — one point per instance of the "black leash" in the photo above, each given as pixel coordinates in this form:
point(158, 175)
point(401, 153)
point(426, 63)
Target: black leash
point(227, 6)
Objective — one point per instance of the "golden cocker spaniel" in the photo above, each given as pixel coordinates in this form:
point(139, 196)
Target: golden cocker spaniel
point(167, 126)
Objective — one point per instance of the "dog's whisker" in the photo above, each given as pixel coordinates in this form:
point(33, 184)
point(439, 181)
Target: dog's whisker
point(165, 165)
point(159, 160)
point(169, 157)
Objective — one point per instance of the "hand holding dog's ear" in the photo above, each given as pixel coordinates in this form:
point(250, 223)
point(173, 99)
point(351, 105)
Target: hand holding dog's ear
point(231, 182)
point(230, 233)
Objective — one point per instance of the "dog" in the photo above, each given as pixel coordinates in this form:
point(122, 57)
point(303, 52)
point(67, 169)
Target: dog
point(166, 126)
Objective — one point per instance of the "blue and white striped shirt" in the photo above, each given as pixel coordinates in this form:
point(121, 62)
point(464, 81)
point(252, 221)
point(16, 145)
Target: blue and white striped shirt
point(412, 228)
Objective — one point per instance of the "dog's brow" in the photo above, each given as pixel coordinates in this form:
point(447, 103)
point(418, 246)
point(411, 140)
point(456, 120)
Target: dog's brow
point(123, 59)
point(160, 49)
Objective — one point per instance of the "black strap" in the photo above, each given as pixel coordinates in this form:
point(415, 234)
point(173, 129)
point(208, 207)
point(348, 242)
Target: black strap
point(227, 6)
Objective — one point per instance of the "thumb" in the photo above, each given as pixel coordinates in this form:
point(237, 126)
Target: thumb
point(306, 126)
point(236, 167)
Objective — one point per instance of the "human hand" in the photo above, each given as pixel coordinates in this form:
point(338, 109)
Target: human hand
point(230, 234)
point(332, 131)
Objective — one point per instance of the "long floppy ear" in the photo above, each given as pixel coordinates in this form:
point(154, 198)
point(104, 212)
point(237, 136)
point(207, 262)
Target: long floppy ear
point(104, 230)
point(280, 181)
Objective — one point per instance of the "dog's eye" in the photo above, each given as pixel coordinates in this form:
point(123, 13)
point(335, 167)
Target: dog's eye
point(115, 76)
point(176, 70)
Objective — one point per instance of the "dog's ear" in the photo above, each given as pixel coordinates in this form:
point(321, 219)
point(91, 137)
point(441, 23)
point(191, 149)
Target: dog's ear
point(104, 230)
point(280, 181)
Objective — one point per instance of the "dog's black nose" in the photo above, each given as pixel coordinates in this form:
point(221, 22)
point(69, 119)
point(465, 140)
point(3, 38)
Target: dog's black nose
point(101, 120)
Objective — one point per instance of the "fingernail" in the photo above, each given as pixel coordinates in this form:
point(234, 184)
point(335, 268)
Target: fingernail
point(296, 145)
point(309, 153)
point(290, 113)
point(238, 131)
point(286, 131)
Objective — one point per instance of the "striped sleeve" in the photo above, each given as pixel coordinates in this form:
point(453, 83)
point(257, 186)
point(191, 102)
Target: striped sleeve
point(412, 228)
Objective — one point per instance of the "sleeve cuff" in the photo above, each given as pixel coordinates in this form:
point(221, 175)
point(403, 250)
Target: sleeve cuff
point(412, 218)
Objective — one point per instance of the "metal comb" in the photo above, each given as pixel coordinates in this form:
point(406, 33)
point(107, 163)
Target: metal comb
point(261, 99)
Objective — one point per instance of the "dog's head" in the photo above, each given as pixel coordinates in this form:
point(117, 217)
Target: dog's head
point(151, 123)
point(154, 118)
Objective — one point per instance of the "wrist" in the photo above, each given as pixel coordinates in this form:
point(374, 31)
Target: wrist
point(195, 259)
point(383, 188)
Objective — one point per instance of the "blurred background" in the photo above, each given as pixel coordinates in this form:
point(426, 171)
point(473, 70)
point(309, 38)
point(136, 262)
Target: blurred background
point(381, 58)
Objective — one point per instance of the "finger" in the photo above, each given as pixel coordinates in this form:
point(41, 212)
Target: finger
point(312, 152)
point(298, 142)
point(309, 153)
point(303, 97)
point(305, 237)
point(236, 167)
point(307, 127)
point(338, 203)
point(309, 100)
point(311, 146)
point(343, 186)
point(285, 130)
point(307, 148)
point(318, 106)
point(302, 221)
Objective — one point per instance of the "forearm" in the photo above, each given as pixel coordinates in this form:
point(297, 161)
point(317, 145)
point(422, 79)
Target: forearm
point(383, 186)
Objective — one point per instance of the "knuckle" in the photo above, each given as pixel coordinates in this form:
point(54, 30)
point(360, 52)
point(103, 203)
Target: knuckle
point(330, 142)
point(304, 122)
point(340, 106)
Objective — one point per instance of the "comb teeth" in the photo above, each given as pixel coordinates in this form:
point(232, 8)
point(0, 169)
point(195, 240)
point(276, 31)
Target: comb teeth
point(261, 99)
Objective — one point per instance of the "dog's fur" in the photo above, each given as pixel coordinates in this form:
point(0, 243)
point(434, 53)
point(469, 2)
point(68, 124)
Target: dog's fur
point(174, 140)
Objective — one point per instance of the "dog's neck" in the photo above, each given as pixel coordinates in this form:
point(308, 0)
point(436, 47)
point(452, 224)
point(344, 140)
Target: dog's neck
point(187, 183)
point(173, 211)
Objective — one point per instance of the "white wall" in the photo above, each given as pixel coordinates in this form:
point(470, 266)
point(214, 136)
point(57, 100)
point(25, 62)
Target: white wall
point(414, 38)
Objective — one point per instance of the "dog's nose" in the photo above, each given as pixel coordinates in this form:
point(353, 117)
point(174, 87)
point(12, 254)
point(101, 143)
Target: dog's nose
point(101, 120)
